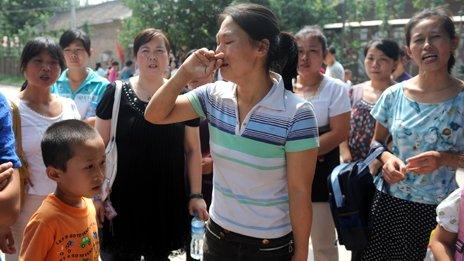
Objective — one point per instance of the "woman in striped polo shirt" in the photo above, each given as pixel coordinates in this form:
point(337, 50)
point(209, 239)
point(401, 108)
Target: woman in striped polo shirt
point(263, 138)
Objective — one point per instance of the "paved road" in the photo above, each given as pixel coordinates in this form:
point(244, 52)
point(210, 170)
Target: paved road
point(10, 91)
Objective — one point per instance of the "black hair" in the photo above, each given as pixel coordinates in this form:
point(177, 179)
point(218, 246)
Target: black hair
point(261, 23)
point(75, 34)
point(35, 47)
point(389, 47)
point(332, 49)
point(115, 63)
point(97, 66)
point(146, 35)
point(128, 63)
point(60, 139)
point(446, 22)
point(313, 31)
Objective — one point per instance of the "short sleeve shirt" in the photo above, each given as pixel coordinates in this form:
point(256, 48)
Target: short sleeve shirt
point(86, 96)
point(7, 140)
point(331, 100)
point(419, 127)
point(335, 71)
point(448, 212)
point(250, 184)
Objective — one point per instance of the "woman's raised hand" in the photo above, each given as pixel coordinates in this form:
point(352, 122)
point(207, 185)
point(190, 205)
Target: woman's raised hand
point(201, 63)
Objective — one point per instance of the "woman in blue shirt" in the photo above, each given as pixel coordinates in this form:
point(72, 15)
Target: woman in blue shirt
point(424, 116)
point(79, 82)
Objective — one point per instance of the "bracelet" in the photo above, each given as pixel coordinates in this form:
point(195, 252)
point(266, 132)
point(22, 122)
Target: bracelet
point(196, 195)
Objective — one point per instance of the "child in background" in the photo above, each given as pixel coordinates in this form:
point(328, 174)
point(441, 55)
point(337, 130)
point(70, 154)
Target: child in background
point(65, 224)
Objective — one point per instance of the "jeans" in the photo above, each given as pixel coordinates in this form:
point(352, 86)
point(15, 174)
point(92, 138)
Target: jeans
point(223, 245)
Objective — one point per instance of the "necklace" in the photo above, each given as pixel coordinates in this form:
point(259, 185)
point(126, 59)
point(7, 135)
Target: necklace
point(143, 95)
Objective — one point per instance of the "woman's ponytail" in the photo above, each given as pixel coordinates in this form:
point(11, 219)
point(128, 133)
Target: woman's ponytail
point(284, 58)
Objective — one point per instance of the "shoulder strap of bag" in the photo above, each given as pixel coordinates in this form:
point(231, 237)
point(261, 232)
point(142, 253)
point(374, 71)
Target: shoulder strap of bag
point(371, 157)
point(110, 174)
point(24, 175)
point(116, 103)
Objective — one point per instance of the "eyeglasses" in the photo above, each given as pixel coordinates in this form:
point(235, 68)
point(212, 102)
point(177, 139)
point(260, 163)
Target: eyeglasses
point(77, 51)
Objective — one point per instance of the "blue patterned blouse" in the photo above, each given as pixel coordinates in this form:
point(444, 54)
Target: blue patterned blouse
point(419, 127)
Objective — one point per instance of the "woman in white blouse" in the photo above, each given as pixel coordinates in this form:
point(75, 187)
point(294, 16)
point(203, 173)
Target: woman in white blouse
point(332, 108)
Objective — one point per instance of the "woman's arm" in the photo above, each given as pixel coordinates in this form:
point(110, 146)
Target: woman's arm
point(345, 153)
point(193, 157)
point(339, 132)
point(90, 121)
point(442, 244)
point(166, 106)
point(103, 127)
point(300, 172)
point(9, 197)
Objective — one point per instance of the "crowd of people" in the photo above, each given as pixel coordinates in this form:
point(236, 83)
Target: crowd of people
point(244, 137)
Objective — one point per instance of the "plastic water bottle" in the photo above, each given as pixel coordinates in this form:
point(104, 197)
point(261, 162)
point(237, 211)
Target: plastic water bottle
point(198, 236)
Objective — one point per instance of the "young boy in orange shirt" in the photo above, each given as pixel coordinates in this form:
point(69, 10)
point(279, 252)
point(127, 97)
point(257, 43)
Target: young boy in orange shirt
point(65, 226)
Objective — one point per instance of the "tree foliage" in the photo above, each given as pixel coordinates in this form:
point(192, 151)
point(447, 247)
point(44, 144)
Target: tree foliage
point(188, 23)
point(18, 19)
point(17, 14)
point(193, 23)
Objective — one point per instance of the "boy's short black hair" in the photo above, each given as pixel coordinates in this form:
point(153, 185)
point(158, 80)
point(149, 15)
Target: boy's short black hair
point(60, 138)
point(75, 34)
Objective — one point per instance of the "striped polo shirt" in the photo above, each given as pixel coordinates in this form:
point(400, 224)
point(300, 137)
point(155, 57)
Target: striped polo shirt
point(250, 194)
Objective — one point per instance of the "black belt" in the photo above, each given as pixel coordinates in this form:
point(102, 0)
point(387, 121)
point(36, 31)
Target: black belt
point(268, 243)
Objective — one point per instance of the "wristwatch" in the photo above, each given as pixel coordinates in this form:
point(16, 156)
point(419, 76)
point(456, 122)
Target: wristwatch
point(196, 195)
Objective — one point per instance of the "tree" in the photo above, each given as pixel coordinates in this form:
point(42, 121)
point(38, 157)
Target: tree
point(298, 13)
point(17, 14)
point(193, 23)
point(187, 23)
point(18, 18)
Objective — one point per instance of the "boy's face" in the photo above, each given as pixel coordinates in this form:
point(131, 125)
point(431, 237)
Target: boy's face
point(85, 170)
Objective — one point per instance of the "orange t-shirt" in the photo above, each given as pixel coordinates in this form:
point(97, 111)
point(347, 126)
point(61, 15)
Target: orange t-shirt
point(58, 231)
